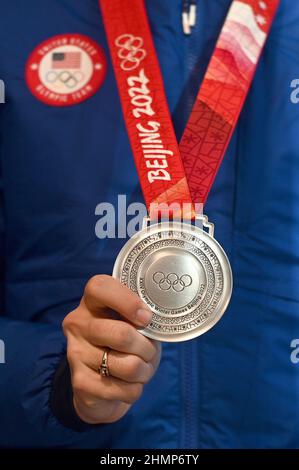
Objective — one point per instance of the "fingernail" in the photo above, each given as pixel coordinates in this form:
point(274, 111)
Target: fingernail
point(143, 316)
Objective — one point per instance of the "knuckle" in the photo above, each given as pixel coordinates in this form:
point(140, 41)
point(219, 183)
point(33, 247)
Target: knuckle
point(134, 367)
point(135, 392)
point(69, 322)
point(153, 351)
point(94, 283)
point(148, 373)
point(87, 401)
point(156, 353)
point(79, 382)
point(152, 371)
point(74, 351)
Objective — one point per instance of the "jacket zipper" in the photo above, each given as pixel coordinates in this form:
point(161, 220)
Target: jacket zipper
point(190, 395)
point(189, 352)
point(188, 15)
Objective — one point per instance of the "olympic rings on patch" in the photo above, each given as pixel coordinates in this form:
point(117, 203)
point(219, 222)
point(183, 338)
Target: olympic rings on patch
point(69, 79)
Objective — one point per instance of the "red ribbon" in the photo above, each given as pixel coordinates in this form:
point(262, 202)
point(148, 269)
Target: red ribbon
point(170, 174)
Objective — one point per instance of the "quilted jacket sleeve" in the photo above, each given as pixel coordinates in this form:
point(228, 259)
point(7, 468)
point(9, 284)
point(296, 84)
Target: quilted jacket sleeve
point(31, 353)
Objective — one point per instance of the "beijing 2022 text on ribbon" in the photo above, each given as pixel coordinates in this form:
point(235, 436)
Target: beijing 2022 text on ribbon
point(179, 270)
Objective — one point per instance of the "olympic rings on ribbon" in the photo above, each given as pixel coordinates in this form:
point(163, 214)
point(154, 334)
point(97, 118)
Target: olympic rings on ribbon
point(172, 281)
point(130, 51)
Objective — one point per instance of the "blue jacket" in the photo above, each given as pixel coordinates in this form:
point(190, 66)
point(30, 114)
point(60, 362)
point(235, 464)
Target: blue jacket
point(234, 387)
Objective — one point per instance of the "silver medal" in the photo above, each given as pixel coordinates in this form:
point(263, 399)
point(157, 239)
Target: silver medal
point(181, 272)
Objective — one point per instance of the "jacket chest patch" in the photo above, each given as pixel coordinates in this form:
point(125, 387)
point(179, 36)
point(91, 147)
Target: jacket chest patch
point(66, 69)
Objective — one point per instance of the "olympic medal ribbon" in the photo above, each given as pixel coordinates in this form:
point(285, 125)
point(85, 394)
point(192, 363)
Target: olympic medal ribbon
point(146, 113)
point(223, 92)
point(183, 174)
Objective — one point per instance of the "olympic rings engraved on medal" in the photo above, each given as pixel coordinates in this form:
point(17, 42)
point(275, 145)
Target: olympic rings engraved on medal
point(130, 51)
point(172, 281)
point(69, 79)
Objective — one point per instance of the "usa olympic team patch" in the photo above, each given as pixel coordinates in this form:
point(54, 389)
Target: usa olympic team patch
point(66, 69)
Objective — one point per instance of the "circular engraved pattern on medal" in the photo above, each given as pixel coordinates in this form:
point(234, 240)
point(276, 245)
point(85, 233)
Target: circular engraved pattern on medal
point(182, 295)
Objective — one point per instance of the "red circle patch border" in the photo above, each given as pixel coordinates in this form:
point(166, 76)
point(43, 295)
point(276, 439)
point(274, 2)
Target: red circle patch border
point(91, 87)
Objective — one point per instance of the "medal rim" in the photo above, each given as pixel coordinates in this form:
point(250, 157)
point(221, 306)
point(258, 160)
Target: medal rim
point(226, 268)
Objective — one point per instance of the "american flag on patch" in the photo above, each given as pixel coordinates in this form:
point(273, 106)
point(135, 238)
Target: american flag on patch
point(66, 60)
